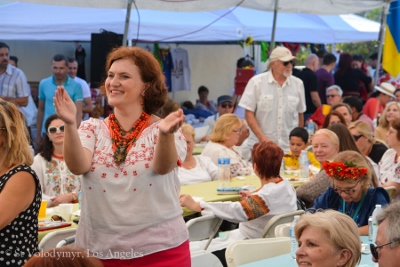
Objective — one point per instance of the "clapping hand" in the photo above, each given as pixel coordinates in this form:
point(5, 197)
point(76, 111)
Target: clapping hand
point(172, 122)
point(188, 202)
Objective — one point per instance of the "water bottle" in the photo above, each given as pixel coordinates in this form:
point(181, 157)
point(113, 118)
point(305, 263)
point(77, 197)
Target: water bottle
point(294, 244)
point(282, 169)
point(377, 211)
point(370, 232)
point(224, 169)
point(310, 128)
point(304, 165)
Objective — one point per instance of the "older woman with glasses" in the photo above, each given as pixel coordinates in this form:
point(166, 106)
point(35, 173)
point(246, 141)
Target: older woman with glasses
point(350, 192)
point(366, 142)
point(226, 135)
point(59, 185)
point(327, 239)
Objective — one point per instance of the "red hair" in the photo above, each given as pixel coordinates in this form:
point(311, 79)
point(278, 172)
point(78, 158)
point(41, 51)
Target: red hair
point(268, 158)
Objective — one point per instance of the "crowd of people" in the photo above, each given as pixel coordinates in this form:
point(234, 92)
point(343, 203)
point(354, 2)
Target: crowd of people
point(135, 156)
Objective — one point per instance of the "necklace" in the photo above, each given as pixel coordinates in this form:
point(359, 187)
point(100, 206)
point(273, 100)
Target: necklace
point(122, 140)
point(58, 157)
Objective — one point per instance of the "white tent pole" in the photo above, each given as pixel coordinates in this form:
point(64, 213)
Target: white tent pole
point(127, 19)
point(272, 44)
point(385, 12)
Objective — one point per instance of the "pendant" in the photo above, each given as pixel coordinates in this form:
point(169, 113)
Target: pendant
point(120, 155)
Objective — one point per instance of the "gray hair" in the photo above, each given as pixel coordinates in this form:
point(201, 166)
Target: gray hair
point(391, 214)
point(335, 87)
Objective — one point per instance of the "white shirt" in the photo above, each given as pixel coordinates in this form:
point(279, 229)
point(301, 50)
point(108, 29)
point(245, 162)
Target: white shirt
point(204, 171)
point(180, 74)
point(210, 121)
point(85, 92)
point(389, 170)
point(276, 108)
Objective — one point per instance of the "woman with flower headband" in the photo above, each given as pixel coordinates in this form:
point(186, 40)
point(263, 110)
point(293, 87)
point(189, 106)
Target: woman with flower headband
point(130, 188)
point(350, 190)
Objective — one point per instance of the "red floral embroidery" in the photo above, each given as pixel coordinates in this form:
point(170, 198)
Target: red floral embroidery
point(134, 173)
point(116, 175)
point(103, 175)
point(254, 206)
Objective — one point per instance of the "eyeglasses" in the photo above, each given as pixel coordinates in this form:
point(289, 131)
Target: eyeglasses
point(328, 96)
point(238, 131)
point(374, 248)
point(348, 191)
point(356, 137)
point(57, 218)
point(226, 105)
point(285, 63)
point(53, 130)
point(3, 128)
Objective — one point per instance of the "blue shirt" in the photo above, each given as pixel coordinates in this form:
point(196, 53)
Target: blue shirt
point(13, 83)
point(47, 91)
point(331, 200)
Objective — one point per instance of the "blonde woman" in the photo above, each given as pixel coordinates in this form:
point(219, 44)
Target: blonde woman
point(350, 192)
point(366, 142)
point(195, 169)
point(336, 236)
point(226, 135)
point(391, 112)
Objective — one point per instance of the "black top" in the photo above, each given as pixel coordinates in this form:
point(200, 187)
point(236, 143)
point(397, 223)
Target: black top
point(350, 81)
point(310, 82)
point(377, 151)
point(20, 237)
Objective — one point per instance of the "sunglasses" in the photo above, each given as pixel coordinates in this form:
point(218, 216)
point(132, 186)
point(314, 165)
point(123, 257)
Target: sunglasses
point(348, 191)
point(374, 248)
point(328, 96)
point(57, 218)
point(285, 63)
point(53, 130)
point(226, 105)
point(356, 137)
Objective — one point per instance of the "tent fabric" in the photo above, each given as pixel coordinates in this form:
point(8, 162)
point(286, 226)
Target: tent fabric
point(301, 6)
point(25, 21)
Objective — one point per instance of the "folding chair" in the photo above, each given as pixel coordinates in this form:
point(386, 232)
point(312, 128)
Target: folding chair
point(53, 238)
point(66, 241)
point(269, 229)
point(203, 258)
point(250, 250)
point(203, 227)
point(282, 230)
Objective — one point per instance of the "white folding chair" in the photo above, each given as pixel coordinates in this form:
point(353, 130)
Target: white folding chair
point(251, 250)
point(269, 229)
point(53, 238)
point(282, 230)
point(203, 227)
point(203, 258)
point(66, 241)
point(200, 132)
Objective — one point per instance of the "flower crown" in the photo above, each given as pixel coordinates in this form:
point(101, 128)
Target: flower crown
point(344, 170)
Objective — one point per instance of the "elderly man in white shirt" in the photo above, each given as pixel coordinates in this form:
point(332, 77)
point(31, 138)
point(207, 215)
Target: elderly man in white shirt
point(274, 101)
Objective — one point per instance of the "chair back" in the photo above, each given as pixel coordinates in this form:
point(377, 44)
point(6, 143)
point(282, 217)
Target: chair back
point(203, 258)
point(203, 227)
point(250, 250)
point(391, 191)
point(66, 241)
point(53, 238)
point(282, 230)
point(269, 229)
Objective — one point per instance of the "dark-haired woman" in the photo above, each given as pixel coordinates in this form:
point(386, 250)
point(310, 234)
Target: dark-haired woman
point(59, 185)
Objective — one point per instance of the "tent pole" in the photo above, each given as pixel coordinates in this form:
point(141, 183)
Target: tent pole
point(127, 19)
point(272, 44)
point(385, 12)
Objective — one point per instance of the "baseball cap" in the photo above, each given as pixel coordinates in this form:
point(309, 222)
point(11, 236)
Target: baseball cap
point(224, 98)
point(281, 53)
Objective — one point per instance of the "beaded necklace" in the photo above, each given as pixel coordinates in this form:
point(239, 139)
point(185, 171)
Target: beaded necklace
point(122, 140)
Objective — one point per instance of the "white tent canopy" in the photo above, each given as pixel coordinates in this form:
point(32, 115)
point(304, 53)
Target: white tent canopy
point(25, 21)
point(303, 6)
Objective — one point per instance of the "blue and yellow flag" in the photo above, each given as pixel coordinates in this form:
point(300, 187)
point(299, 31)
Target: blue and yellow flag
point(391, 50)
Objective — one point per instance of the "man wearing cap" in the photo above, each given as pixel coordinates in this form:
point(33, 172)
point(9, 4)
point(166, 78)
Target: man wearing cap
point(274, 101)
point(224, 106)
point(377, 103)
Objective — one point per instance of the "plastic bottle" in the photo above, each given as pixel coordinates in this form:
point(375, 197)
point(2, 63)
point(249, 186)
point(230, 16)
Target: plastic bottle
point(224, 169)
point(282, 170)
point(310, 128)
point(304, 165)
point(377, 211)
point(370, 232)
point(294, 244)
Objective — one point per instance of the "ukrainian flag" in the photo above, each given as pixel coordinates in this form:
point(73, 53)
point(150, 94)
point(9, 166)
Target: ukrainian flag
point(391, 50)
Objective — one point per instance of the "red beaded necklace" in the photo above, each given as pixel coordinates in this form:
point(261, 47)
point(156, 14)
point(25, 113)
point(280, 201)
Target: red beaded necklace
point(122, 140)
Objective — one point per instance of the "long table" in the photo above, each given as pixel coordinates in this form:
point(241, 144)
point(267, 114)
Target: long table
point(208, 190)
point(287, 260)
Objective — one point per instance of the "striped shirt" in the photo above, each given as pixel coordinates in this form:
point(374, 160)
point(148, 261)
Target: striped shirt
point(13, 83)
